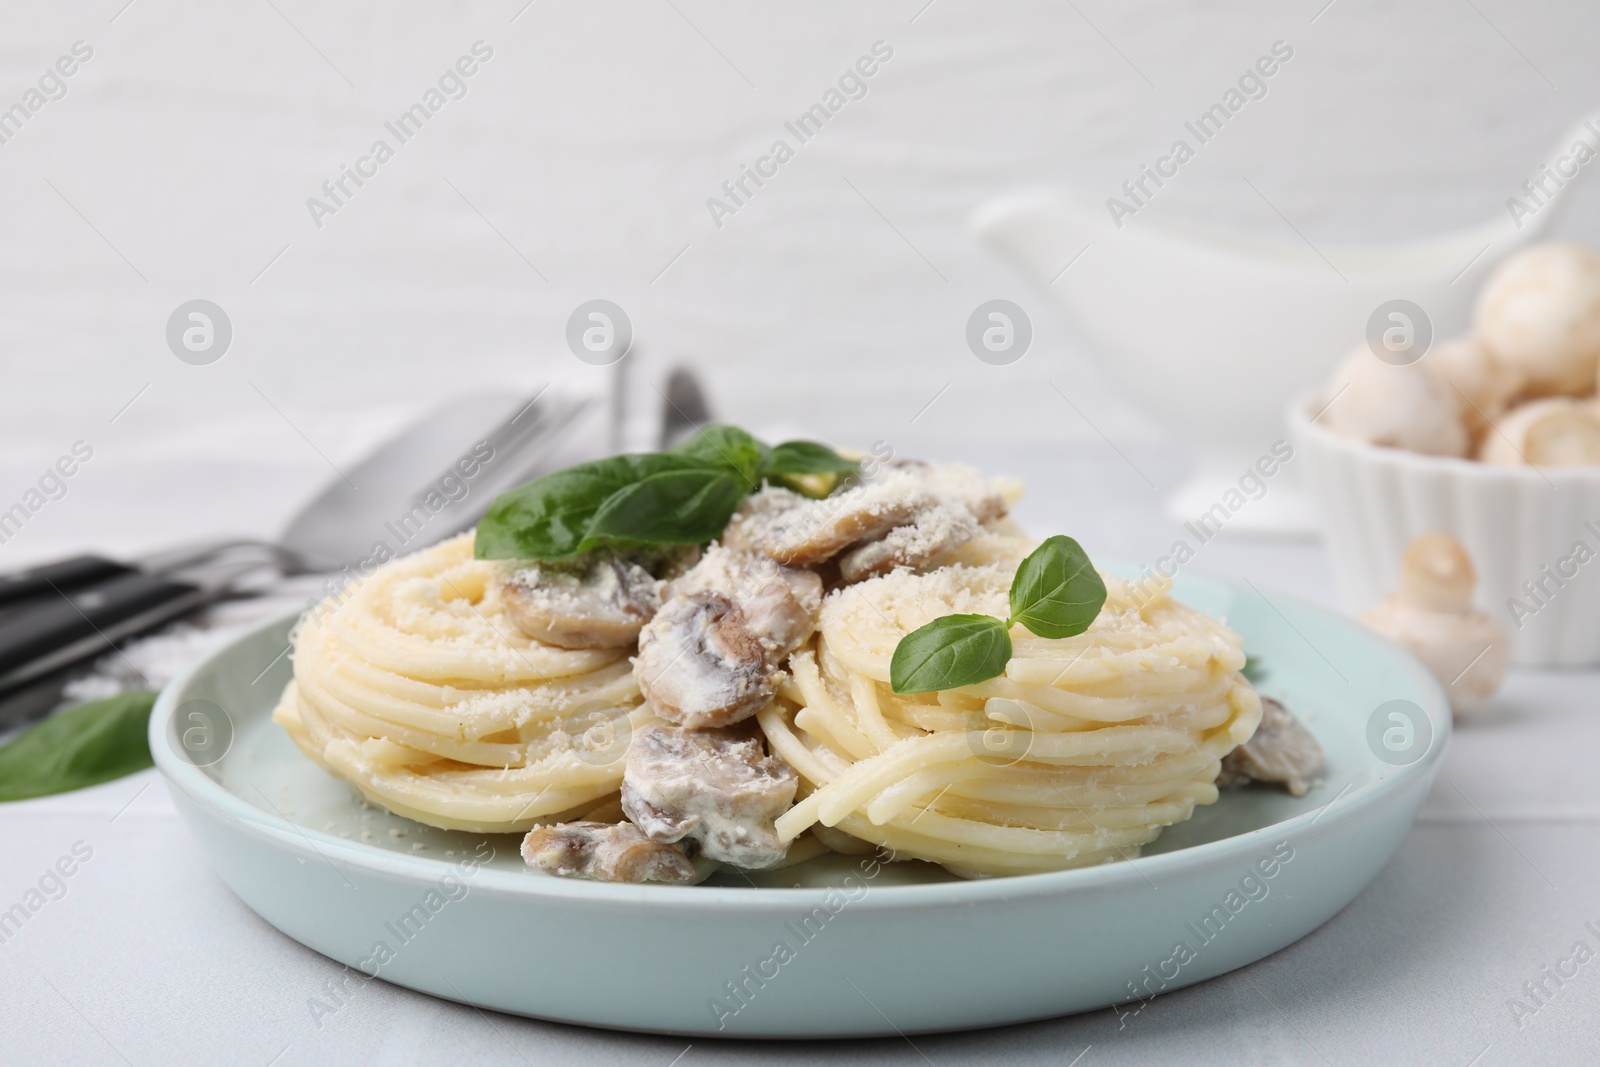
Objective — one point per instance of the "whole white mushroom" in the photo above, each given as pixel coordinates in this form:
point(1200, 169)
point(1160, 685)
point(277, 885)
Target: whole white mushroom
point(1557, 431)
point(1431, 614)
point(1539, 314)
point(1408, 407)
point(1484, 385)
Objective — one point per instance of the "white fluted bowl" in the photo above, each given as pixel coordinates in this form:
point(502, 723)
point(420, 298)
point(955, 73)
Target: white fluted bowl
point(1521, 525)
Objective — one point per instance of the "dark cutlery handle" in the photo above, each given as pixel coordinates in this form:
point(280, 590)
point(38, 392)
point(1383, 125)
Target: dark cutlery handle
point(63, 575)
point(81, 614)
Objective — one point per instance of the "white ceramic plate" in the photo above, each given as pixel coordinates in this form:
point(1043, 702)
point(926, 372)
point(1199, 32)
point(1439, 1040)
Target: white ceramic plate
point(835, 947)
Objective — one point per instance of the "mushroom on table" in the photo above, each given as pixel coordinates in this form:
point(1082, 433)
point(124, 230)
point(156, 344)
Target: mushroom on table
point(1431, 614)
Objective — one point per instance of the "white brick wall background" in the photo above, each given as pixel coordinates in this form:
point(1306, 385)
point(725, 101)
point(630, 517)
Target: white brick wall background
point(179, 162)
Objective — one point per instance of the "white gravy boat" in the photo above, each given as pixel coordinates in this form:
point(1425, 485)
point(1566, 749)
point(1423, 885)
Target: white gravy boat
point(1214, 333)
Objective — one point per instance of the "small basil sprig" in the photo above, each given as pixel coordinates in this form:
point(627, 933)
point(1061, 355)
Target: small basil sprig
point(682, 496)
point(81, 746)
point(1056, 593)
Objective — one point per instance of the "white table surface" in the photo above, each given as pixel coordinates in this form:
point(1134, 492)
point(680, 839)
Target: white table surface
point(149, 959)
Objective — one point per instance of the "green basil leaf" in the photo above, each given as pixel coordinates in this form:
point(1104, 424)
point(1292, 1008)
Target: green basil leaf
point(549, 517)
point(807, 457)
point(671, 508)
point(1254, 670)
point(81, 746)
point(726, 448)
point(950, 651)
point(1057, 592)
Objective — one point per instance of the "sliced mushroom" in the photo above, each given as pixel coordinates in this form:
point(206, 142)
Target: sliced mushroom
point(935, 531)
point(820, 531)
point(600, 605)
point(961, 483)
point(606, 852)
point(699, 664)
point(779, 603)
point(783, 612)
point(1281, 752)
point(758, 515)
point(717, 788)
point(1431, 614)
point(909, 517)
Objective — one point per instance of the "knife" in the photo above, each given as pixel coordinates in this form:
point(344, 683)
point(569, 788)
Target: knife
point(71, 573)
point(77, 624)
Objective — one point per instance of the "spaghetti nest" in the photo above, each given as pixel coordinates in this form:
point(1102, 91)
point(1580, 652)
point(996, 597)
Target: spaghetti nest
point(422, 694)
point(1081, 752)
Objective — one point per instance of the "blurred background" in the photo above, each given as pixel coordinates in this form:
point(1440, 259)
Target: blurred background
point(578, 166)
